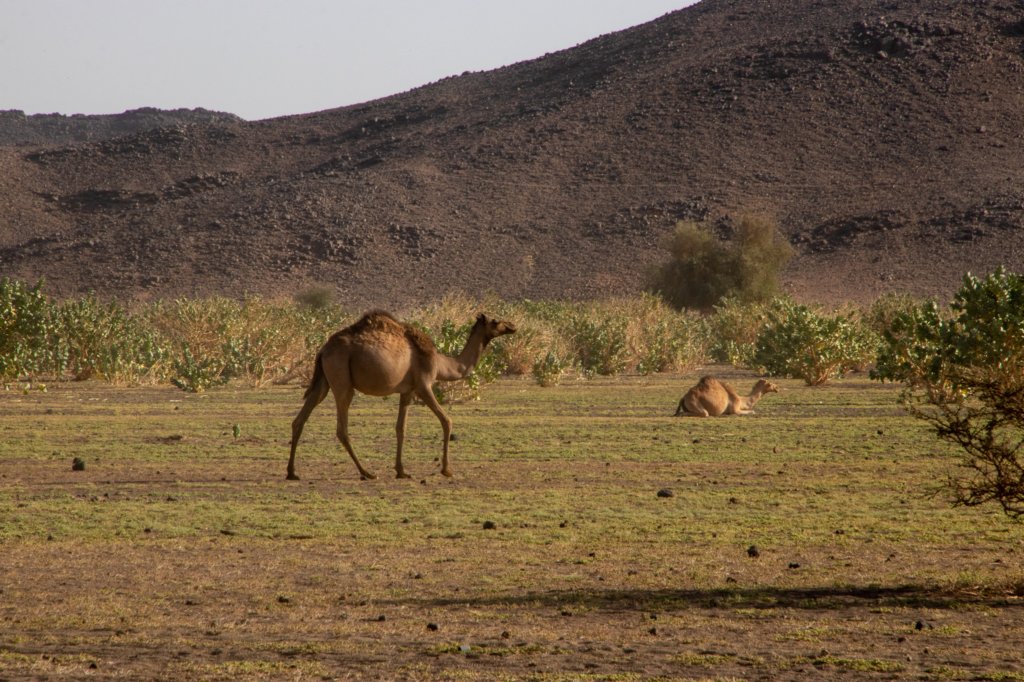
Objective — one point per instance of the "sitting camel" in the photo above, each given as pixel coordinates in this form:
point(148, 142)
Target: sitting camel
point(378, 355)
point(711, 398)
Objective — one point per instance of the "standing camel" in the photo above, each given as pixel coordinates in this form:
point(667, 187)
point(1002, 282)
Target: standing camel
point(378, 355)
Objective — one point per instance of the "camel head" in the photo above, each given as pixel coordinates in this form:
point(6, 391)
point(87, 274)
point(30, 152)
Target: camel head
point(492, 328)
point(765, 387)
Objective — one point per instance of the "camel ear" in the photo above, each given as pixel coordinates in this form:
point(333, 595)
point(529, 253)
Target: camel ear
point(481, 318)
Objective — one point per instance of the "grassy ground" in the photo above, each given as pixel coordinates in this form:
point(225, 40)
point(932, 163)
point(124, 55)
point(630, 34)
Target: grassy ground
point(182, 552)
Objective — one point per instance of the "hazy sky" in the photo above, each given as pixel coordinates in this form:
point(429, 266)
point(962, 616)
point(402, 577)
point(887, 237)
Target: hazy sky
point(264, 58)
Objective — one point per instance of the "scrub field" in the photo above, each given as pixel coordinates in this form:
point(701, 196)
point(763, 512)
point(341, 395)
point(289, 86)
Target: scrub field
point(181, 552)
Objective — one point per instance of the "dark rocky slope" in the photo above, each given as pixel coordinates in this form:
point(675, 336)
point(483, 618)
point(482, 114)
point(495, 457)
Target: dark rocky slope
point(887, 138)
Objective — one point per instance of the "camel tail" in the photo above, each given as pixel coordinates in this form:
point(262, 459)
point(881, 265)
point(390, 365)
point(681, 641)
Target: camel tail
point(319, 381)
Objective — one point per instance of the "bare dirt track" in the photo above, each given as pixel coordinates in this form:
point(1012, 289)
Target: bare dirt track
point(886, 138)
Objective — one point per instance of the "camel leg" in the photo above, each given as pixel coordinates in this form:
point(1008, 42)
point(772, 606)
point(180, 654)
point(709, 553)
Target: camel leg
point(427, 396)
point(403, 408)
point(313, 398)
point(693, 408)
point(343, 398)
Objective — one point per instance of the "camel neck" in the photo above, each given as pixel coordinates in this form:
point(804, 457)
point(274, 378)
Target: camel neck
point(450, 369)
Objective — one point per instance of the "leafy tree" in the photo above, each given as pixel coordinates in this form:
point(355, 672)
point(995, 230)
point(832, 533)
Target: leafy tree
point(702, 269)
point(963, 374)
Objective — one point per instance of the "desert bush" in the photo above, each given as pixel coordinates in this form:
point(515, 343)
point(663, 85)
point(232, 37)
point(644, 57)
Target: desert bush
point(315, 298)
point(884, 310)
point(732, 330)
point(215, 340)
point(26, 326)
point(963, 375)
point(702, 269)
point(105, 341)
point(265, 342)
point(197, 372)
point(660, 338)
point(549, 369)
point(801, 342)
point(598, 342)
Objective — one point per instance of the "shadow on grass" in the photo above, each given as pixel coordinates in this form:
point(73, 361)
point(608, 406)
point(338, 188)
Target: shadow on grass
point(824, 598)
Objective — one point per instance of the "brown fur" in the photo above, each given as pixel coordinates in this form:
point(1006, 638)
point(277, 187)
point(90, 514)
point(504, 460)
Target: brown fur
point(378, 355)
point(713, 398)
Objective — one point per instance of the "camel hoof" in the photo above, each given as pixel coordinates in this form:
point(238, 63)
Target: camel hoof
point(402, 474)
point(367, 476)
point(292, 476)
point(446, 472)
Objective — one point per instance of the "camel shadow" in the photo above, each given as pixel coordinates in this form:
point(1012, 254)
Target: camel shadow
point(736, 598)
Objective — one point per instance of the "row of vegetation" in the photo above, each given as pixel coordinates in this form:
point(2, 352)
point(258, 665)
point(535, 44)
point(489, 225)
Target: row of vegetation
point(199, 343)
point(961, 365)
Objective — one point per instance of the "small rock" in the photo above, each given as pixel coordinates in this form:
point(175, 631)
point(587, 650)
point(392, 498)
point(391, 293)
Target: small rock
point(793, 564)
point(433, 627)
point(78, 464)
point(490, 525)
point(381, 618)
point(666, 492)
point(281, 599)
point(753, 551)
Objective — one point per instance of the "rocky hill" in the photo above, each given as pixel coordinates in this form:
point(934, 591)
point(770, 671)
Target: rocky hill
point(20, 129)
point(887, 138)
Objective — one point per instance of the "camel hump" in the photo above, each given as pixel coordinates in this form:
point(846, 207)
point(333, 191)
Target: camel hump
point(383, 322)
point(375, 320)
point(420, 341)
point(707, 382)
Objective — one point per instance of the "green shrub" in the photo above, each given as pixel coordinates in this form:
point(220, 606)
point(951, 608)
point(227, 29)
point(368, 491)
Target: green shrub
point(800, 342)
point(548, 370)
point(733, 329)
point(194, 373)
point(599, 344)
point(702, 269)
point(104, 341)
point(963, 374)
point(26, 328)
